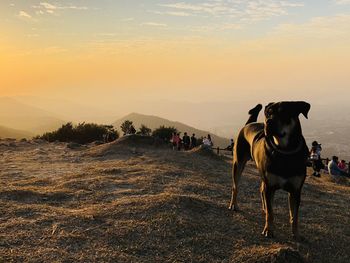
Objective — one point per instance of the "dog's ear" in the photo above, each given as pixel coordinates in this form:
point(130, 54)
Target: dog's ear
point(268, 106)
point(297, 107)
point(303, 108)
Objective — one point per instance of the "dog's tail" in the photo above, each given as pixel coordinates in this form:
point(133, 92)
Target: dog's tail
point(254, 113)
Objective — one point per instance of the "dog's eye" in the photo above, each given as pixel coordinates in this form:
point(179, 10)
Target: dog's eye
point(268, 113)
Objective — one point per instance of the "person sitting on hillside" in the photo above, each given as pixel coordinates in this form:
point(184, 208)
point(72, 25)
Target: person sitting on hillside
point(342, 165)
point(315, 157)
point(230, 147)
point(186, 141)
point(333, 168)
point(193, 141)
point(205, 142)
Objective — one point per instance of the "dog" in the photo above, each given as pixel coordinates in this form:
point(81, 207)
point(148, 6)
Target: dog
point(280, 153)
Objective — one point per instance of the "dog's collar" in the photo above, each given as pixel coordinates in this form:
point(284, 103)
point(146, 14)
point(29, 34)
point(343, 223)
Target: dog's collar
point(274, 147)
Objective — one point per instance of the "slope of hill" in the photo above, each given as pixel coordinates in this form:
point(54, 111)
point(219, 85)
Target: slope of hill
point(20, 116)
point(154, 122)
point(12, 133)
point(154, 205)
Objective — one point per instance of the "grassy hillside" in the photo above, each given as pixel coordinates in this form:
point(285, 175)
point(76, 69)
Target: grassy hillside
point(154, 122)
point(127, 202)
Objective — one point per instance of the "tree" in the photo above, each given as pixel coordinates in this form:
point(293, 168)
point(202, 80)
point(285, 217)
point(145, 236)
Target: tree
point(164, 133)
point(81, 133)
point(144, 130)
point(128, 127)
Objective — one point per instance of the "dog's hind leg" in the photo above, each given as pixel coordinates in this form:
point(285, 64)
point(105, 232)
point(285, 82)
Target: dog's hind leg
point(263, 201)
point(240, 158)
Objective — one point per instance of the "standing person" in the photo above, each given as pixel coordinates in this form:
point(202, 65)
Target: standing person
point(315, 157)
point(193, 141)
point(179, 142)
point(175, 140)
point(186, 141)
point(211, 142)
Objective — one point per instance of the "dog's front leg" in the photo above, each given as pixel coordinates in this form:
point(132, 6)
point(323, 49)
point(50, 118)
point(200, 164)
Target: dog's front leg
point(294, 203)
point(263, 201)
point(268, 195)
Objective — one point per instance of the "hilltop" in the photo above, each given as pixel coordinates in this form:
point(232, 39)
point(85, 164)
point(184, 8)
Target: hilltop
point(154, 122)
point(137, 201)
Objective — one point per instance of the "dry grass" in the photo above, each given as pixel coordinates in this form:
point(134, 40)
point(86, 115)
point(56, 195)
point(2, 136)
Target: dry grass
point(150, 204)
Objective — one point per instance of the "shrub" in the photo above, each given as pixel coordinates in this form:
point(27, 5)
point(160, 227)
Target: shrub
point(164, 133)
point(128, 127)
point(144, 130)
point(82, 133)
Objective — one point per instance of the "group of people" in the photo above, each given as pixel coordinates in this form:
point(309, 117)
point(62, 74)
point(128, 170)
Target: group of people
point(335, 167)
point(188, 143)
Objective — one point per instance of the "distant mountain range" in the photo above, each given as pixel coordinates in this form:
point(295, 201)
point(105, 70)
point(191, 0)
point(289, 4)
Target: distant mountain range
point(26, 116)
point(154, 122)
point(13, 133)
point(19, 116)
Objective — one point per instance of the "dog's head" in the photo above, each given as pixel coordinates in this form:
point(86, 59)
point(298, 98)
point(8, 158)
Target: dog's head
point(282, 120)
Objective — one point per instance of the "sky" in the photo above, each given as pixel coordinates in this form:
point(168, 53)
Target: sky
point(109, 51)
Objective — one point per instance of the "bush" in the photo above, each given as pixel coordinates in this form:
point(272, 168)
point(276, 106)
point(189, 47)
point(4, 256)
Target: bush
point(128, 127)
point(144, 130)
point(164, 133)
point(82, 133)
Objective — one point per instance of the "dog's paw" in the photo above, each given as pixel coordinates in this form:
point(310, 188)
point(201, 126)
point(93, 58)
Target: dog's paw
point(233, 208)
point(267, 233)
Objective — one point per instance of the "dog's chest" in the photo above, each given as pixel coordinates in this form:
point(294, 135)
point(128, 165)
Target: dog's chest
point(290, 183)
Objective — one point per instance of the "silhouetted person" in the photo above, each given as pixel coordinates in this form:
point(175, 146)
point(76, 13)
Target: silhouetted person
point(186, 141)
point(211, 142)
point(193, 141)
point(230, 147)
point(315, 157)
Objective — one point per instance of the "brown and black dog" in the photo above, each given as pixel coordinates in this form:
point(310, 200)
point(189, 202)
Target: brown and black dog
point(279, 150)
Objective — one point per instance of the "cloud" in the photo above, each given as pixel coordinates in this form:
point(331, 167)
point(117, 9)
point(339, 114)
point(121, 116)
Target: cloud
point(128, 19)
point(172, 13)
point(25, 15)
point(322, 34)
point(51, 8)
point(154, 24)
point(342, 2)
point(243, 11)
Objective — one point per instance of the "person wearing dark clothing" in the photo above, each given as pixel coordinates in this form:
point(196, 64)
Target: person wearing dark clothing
point(186, 141)
point(230, 147)
point(193, 141)
point(315, 157)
